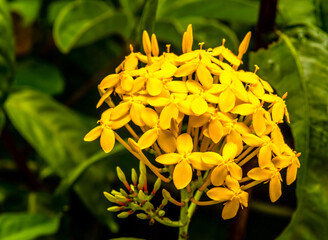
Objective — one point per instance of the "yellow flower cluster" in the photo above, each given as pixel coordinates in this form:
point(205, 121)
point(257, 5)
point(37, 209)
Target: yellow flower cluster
point(198, 112)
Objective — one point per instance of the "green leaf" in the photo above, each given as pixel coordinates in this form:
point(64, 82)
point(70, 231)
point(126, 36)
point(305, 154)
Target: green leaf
point(297, 64)
point(56, 133)
point(39, 75)
point(237, 10)
point(170, 30)
point(2, 119)
point(28, 10)
point(302, 11)
point(148, 17)
point(23, 226)
point(73, 176)
point(6, 47)
point(81, 23)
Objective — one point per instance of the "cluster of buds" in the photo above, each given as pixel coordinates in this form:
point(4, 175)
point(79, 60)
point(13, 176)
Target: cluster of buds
point(136, 198)
point(202, 118)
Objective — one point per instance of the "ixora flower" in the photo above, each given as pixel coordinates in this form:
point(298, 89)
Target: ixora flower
point(194, 120)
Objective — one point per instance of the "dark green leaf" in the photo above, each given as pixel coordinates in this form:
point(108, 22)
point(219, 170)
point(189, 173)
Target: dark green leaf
point(239, 10)
point(28, 10)
point(41, 76)
point(302, 11)
point(297, 64)
point(211, 32)
point(57, 135)
point(23, 226)
point(2, 119)
point(81, 23)
point(148, 17)
point(6, 47)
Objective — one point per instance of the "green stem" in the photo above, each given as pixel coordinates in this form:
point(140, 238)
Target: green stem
point(186, 212)
point(184, 219)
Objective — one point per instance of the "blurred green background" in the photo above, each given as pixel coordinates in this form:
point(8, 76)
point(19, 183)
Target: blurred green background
point(53, 53)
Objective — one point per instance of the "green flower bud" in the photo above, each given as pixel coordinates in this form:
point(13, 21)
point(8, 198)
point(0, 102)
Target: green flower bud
point(157, 185)
point(134, 177)
point(120, 174)
point(110, 197)
point(124, 193)
point(121, 198)
point(123, 214)
point(142, 216)
point(142, 180)
point(142, 168)
point(141, 196)
point(114, 209)
point(161, 213)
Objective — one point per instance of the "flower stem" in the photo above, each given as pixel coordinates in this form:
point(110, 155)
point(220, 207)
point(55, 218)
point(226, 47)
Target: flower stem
point(184, 219)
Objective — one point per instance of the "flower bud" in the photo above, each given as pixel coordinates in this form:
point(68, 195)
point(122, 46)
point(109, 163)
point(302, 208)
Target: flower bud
point(157, 185)
point(141, 196)
point(166, 194)
point(161, 213)
point(121, 198)
point(124, 193)
point(110, 197)
point(123, 214)
point(120, 174)
point(154, 45)
point(114, 209)
point(146, 43)
point(134, 177)
point(142, 216)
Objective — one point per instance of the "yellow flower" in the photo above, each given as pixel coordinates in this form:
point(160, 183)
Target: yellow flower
point(225, 164)
point(105, 130)
point(184, 159)
point(270, 174)
point(233, 194)
point(165, 138)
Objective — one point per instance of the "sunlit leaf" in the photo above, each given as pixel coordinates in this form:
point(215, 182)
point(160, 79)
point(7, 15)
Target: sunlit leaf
point(301, 11)
point(56, 133)
point(81, 23)
point(24, 226)
point(28, 10)
point(297, 64)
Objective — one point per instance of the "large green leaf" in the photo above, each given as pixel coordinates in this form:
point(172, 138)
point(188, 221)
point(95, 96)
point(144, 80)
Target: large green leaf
point(297, 64)
point(57, 135)
point(300, 11)
point(239, 10)
point(39, 75)
point(6, 47)
point(24, 226)
point(81, 23)
point(28, 10)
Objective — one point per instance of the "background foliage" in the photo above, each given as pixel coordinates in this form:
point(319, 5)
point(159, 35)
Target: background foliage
point(53, 54)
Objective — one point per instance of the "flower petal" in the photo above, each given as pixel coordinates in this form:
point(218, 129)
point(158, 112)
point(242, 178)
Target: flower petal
point(229, 150)
point(260, 174)
point(107, 140)
point(235, 171)
point(184, 143)
point(227, 100)
point(148, 139)
point(230, 209)
point(197, 162)
point(204, 76)
point(120, 110)
point(167, 141)
point(199, 106)
point(215, 130)
point(135, 111)
point(154, 86)
point(168, 158)
point(182, 174)
point(275, 188)
point(252, 140)
point(218, 175)
point(259, 123)
point(220, 194)
point(265, 156)
point(93, 134)
point(186, 69)
point(149, 117)
point(291, 174)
